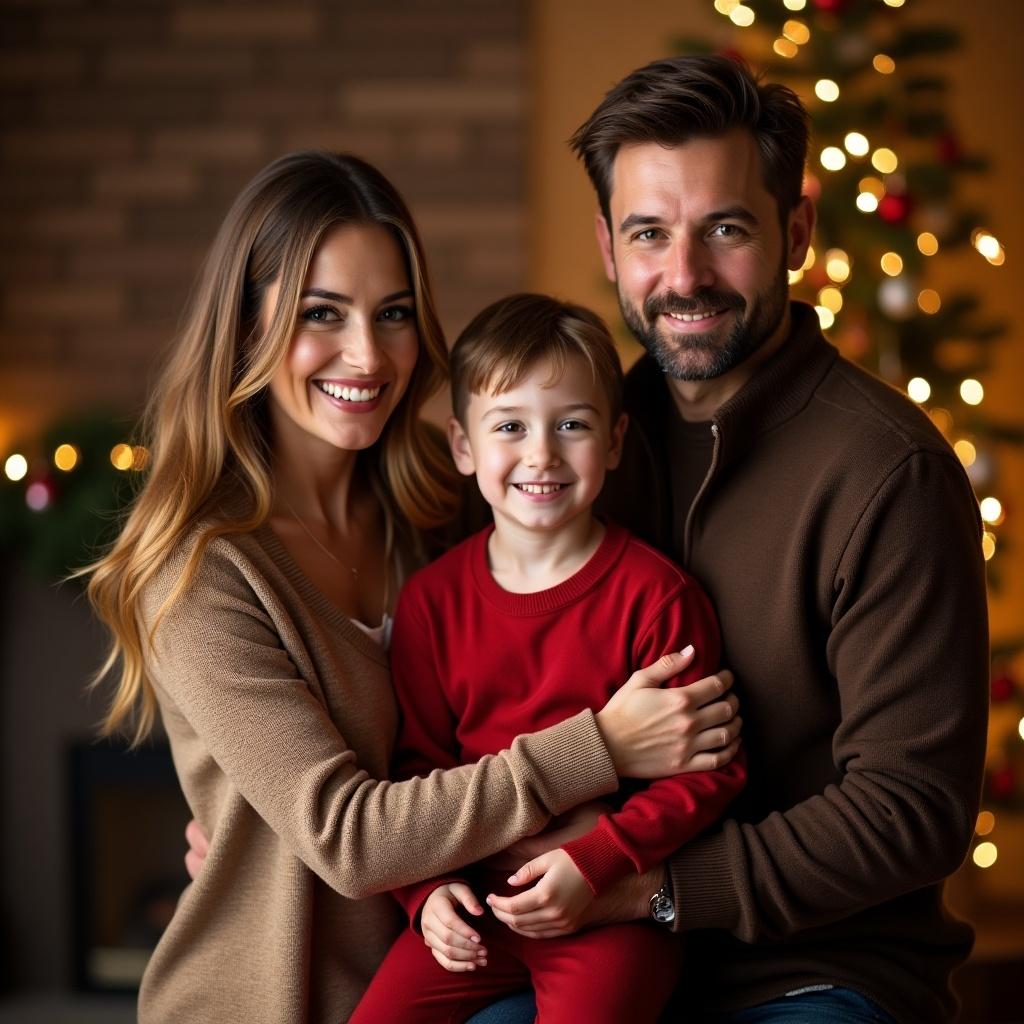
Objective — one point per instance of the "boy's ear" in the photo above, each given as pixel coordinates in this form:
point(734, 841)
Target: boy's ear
point(618, 438)
point(462, 453)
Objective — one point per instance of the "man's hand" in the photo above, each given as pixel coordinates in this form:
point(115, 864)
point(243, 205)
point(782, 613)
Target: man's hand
point(556, 903)
point(454, 943)
point(627, 900)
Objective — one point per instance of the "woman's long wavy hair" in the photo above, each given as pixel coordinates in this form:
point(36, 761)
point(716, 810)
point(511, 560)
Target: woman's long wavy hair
point(207, 423)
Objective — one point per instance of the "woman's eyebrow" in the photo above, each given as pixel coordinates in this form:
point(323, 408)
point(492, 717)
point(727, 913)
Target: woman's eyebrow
point(324, 293)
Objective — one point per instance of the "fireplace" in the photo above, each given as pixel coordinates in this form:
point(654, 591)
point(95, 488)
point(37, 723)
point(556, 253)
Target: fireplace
point(128, 818)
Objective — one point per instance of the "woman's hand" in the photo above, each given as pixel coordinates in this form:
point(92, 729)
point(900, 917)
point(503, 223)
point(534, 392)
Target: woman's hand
point(454, 943)
point(651, 733)
point(198, 848)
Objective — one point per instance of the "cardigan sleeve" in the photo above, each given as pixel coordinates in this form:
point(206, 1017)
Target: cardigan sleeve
point(218, 656)
point(655, 821)
point(908, 650)
point(426, 736)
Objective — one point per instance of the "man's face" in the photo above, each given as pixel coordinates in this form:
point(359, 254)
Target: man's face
point(697, 252)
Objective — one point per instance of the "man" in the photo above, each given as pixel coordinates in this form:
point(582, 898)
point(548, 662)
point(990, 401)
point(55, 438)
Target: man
point(840, 541)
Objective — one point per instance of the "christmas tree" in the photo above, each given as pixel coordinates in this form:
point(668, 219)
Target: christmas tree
point(885, 170)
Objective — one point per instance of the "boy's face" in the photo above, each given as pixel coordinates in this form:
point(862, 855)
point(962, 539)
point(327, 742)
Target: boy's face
point(541, 449)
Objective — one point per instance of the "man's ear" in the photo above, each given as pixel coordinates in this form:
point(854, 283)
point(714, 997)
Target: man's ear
point(618, 437)
point(799, 232)
point(462, 453)
point(604, 243)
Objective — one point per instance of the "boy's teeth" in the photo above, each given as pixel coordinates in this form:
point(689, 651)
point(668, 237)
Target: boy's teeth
point(347, 394)
point(539, 488)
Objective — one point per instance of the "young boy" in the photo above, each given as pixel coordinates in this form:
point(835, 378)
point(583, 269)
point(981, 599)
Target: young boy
point(531, 620)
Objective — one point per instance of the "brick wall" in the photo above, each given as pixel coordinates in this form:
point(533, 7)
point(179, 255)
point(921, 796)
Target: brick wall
point(126, 129)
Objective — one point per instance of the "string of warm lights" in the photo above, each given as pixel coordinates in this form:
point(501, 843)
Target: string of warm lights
point(67, 458)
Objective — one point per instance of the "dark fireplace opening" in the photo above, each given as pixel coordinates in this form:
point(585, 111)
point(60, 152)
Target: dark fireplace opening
point(128, 818)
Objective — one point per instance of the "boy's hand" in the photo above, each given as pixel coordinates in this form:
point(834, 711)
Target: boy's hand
point(554, 906)
point(454, 943)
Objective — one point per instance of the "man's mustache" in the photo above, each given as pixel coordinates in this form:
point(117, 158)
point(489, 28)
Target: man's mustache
point(672, 302)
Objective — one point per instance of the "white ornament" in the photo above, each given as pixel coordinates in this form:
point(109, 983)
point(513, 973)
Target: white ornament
point(897, 298)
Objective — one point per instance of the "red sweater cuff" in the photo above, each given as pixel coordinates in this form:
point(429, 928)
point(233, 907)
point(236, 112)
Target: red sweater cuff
point(601, 860)
point(412, 897)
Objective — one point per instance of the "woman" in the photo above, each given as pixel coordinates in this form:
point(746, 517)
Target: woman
point(248, 594)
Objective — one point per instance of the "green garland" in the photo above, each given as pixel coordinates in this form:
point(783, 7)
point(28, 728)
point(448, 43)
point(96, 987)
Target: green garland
point(56, 521)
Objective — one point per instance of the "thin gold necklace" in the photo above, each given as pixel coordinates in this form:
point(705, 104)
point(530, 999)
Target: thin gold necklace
point(316, 540)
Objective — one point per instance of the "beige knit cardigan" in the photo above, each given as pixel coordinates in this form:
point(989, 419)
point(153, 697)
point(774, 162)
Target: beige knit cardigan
point(281, 722)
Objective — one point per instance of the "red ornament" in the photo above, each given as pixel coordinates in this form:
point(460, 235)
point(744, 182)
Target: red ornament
point(895, 208)
point(832, 6)
point(1002, 782)
point(40, 494)
point(949, 148)
point(1002, 688)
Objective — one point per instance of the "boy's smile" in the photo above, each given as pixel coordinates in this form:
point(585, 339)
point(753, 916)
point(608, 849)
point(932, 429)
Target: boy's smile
point(540, 450)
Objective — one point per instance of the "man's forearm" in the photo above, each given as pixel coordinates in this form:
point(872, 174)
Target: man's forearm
point(628, 900)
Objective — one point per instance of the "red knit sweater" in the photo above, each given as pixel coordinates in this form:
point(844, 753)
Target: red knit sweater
point(475, 665)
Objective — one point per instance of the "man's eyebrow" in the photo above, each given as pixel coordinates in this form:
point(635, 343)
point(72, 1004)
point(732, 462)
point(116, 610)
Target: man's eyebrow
point(638, 220)
point(735, 212)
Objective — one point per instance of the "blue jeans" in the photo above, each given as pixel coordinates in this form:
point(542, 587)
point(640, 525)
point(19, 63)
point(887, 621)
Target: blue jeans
point(815, 1006)
point(517, 1009)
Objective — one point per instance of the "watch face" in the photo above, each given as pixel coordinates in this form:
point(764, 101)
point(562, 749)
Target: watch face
point(662, 909)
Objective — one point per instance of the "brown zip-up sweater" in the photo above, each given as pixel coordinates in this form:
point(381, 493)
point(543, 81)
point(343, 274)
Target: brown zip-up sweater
point(839, 538)
point(281, 719)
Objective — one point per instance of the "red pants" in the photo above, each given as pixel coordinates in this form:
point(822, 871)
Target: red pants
point(618, 973)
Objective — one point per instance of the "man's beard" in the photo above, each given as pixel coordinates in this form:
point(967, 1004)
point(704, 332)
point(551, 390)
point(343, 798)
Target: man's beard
point(704, 356)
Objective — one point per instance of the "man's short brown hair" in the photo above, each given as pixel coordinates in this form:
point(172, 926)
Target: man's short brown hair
point(672, 101)
point(503, 342)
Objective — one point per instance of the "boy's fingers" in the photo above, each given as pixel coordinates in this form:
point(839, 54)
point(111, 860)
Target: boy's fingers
point(453, 946)
point(456, 966)
point(516, 910)
point(466, 897)
point(530, 871)
point(521, 903)
point(526, 924)
point(452, 930)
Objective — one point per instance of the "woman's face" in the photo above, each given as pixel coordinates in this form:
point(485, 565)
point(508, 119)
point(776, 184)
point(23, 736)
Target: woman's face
point(354, 344)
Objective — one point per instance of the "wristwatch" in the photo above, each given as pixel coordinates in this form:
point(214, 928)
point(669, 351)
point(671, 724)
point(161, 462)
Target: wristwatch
point(663, 910)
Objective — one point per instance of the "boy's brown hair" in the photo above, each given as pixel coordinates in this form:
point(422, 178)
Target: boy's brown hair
point(503, 342)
